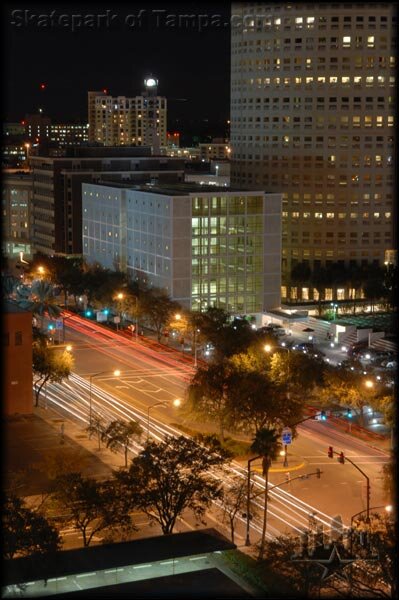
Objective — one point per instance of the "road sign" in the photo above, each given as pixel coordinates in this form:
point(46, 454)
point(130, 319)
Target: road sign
point(59, 323)
point(286, 436)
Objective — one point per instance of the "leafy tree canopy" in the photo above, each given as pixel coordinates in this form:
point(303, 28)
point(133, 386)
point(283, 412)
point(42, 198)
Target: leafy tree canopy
point(167, 478)
point(26, 532)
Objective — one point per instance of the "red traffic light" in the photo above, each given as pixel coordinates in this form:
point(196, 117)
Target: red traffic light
point(42, 86)
point(330, 452)
point(341, 458)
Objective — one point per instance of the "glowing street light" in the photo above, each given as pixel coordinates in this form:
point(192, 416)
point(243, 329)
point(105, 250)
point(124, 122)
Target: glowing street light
point(369, 384)
point(175, 402)
point(68, 348)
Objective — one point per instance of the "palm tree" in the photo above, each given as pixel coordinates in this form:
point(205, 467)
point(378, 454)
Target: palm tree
point(41, 301)
point(266, 443)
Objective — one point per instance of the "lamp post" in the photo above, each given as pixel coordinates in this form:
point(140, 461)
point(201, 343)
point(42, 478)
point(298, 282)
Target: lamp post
point(387, 508)
point(269, 348)
point(176, 402)
point(247, 540)
point(195, 347)
point(120, 298)
point(317, 473)
point(116, 374)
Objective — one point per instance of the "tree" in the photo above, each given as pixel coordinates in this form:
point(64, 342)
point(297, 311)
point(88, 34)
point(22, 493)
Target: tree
point(158, 309)
point(91, 506)
point(234, 501)
point(49, 366)
point(319, 280)
point(41, 301)
point(266, 444)
point(9, 285)
point(96, 427)
point(301, 274)
point(121, 433)
point(255, 401)
point(167, 478)
point(68, 273)
point(26, 532)
point(347, 388)
point(228, 336)
point(299, 373)
point(379, 576)
point(207, 394)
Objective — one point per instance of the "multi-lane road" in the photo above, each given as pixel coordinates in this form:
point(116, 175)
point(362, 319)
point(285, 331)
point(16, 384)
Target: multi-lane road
point(148, 377)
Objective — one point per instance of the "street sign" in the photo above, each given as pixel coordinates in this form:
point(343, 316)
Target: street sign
point(117, 319)
point(59, 323)
point(286, 436)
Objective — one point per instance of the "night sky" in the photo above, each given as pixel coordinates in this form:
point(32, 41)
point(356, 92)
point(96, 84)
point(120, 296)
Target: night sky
point(116, 50)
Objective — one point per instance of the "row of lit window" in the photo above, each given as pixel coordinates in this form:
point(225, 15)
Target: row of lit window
point(332, 215)
point(309, 43)
point(356, 80)
point(307, 143)
point(268, 21)
point(381, 62)
point(331, 100)
point(368, 121)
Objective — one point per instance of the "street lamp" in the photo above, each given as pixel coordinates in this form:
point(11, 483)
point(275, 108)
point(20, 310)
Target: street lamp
point(388, 509)
point(175, 402)
point(116, 374)
point(268, 348)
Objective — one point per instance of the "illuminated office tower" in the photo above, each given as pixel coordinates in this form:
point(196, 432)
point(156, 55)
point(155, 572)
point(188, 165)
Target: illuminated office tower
point(312, 116)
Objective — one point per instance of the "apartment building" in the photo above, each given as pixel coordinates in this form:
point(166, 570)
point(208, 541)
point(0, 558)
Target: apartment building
point(121, 121)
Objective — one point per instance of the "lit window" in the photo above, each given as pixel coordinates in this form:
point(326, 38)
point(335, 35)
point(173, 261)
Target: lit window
point(330, 215)
point(370, 41)
point(318, 215)
point(346, 41)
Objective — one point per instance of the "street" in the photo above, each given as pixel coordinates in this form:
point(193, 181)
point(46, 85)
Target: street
point(148, 378)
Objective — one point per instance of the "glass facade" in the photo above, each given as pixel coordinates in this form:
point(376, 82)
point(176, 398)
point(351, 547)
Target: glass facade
point(227, 253)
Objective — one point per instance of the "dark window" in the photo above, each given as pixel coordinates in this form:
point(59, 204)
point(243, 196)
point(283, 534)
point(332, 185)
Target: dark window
point(6, 339)
point(18, 338)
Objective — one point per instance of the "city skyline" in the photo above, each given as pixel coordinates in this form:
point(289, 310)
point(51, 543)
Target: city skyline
point(185, 54)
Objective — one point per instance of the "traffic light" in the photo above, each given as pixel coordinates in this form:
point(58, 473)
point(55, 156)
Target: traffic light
point(50, 326)
point(323, 416)
point(330, 452)
point(349, 413)
point(88, 313)
point(341, 458)
point(106, 311)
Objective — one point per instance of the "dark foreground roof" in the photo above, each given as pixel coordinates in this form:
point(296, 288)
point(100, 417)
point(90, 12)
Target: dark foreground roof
point(208, 583)
point(108, 556)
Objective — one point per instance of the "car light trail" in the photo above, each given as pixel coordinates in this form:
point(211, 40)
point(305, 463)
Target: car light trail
point(72, 398)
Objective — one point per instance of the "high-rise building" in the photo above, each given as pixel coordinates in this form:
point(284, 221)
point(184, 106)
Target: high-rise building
point(122, 121)
point(203, 245)
point(57, 188)
point(312, 116)
point(17, 194)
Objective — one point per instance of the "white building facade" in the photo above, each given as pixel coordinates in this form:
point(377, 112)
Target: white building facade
point(203, 247)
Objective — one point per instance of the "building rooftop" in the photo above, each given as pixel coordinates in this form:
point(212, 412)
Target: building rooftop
point(108, 556)
point(178, 189)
